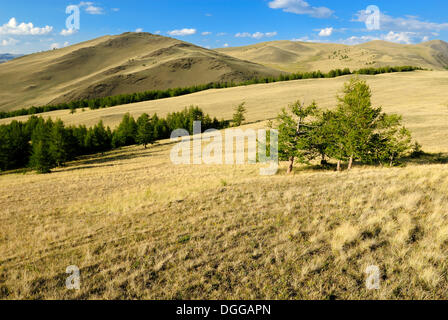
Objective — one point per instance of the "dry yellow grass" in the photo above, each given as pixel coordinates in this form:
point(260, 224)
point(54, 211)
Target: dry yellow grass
point(296, 56)
point(139, 227)
point(419, 96)
point(111, 65)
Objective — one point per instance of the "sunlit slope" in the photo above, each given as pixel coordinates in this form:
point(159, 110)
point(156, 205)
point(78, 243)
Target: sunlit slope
point(421, 97)
point(139, 227)
point(306, 56)
point(127, 63)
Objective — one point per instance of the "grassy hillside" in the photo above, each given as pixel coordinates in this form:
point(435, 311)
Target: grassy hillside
point(419, 96)
point(305, 56)
point(139, 227)
point(111, 65)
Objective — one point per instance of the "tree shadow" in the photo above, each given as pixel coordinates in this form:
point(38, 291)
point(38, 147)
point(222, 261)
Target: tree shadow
point(420, 158)
point(424, 158)
point(115, 155)
point(100, 160)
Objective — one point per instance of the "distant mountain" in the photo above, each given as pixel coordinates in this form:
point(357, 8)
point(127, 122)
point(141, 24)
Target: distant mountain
point(306, 56)
point(136, 62)
point(8, 56)
point(111, 65)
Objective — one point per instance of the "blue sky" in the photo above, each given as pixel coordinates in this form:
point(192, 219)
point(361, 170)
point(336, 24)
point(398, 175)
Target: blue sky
point(30, 26)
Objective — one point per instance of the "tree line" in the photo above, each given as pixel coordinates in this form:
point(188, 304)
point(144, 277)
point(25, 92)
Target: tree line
point(122, 99)
point(354, 131)
point(45, 144)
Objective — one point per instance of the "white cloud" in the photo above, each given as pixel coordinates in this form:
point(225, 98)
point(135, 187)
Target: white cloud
point(256, 35)
point(68, 32)
point(66, 44)
point(400, 37)
point(243, 35)
point(221, 34)
point(406, 30)
point(270, 34)
point(9, 42)
point(90, 8)
point(115, 9)
point(226, 45)
point(301, 7)
point(408, 23)
point(307, 39)
point(182, 32)
point(206, 33)
point(139, 30)
point(54, 46)
point(158, 32)
point(397, 37)
point(326, 32)
point(12, 27)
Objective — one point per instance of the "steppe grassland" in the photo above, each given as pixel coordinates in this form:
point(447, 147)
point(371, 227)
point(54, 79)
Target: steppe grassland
point(139, 227)
point(420, 97)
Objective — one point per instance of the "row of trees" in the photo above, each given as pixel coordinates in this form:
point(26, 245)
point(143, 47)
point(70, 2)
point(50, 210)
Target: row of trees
point(354, 131)
point(44, 144)
point(123, 99)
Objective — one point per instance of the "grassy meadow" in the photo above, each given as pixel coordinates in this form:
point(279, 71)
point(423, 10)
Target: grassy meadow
point(420, 97)
point(139, 227)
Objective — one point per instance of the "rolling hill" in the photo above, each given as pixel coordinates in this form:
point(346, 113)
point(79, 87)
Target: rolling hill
point(295, 56)
point(419, 96)
point(136, 62)
point(111, 65)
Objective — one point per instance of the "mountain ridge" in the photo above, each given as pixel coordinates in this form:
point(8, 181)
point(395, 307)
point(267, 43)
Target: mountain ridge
point(136, 62)
point(112, 65)
point(307, 56)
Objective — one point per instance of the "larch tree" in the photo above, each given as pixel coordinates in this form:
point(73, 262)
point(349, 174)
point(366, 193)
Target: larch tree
point(294, 130)
point(240, 115)
point(145, 130)
point(356, 121)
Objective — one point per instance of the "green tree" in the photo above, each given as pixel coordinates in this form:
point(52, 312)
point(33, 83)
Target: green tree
point(126, 132)
point(14, 146)
point(355, 121)
point(58, 143)
point(392, 141)
point(41, 158)
point(320, 136)
point(240, 115)
point(295, 129)
point(145, 130)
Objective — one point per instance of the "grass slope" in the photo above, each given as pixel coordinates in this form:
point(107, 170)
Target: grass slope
point(139, 227)
point(419, 96)
point(305, 56)
point(111, 65)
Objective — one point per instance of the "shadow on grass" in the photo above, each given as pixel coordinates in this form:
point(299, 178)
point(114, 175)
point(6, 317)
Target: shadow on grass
point(421, 158)
point(424, 158)
point(116, 155)
point(101, 160)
